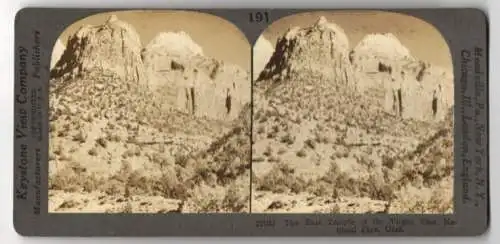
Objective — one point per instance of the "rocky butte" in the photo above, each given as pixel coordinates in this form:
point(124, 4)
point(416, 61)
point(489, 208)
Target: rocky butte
point(319, 52)
point(113, 47)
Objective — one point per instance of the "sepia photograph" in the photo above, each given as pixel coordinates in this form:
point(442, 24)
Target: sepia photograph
point(352, 113)
point(150, 113)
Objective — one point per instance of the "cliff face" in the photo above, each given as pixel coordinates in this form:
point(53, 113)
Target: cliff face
point(413, 88)
point(193, 83)
point(112, 47)
point(317, 52)
point(379, 52)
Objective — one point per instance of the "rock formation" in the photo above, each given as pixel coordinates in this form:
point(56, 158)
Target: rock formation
point(413, 88)
point(113, 47)
point(262, 52)
point(193, 83)
point(57, 52)
point(320, 51)
point(377, 52)
point(177, 45)
point(421, 92)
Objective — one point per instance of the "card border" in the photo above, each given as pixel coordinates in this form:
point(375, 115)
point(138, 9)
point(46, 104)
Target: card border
point(462, 28)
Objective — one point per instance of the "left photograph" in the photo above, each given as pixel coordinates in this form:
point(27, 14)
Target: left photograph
point(150, 113)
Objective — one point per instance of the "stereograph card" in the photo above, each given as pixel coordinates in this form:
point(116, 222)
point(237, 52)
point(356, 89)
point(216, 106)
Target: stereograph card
point(251, 122)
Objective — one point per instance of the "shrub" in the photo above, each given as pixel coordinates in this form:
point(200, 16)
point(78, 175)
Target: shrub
point(268, 152)
point(102, 142)
point(301, 153)
point(92, 152)
point(310, 143)
point(287, 139)
point(280, 179)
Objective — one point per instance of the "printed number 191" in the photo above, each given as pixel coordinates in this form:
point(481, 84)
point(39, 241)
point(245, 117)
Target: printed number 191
point(258, 17)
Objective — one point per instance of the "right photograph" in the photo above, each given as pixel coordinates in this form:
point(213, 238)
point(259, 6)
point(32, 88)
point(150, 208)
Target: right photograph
point(352, 113)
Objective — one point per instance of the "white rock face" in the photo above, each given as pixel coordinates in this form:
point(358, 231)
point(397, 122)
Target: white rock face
point(221, 98)
point(175, 44)
point(193, 83)
point(421, 91)
point(320, 51)
point(111, 47)
point(168, 51)
point(374, 49)
point(57, 52)
point(262, 52)
point(413, 89)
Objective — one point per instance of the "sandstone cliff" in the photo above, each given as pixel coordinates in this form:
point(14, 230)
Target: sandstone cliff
point(319, 52)
point(413, 88)
point(193, 83)
point(112, 47)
